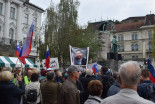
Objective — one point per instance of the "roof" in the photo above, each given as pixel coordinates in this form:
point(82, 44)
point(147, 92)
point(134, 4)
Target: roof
point(138, 18)
point(14, 62)
point(33, 5)
point(129, 26)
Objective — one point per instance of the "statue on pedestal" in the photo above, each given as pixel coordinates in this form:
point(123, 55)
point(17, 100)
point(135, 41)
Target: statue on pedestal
point(114, 45)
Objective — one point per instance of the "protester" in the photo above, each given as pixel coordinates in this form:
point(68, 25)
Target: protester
point(79, 59)
point(81, 89)
point(69, 92)
point(27, 78)
point(85, 80)
point(115, 88)
point(95, 89)
point(58, 76)
point(129, 76)
point(146, 89)
point(9, 93)
point(50, 89)
point(32, 90)
point(43, 76)
point(106, 79)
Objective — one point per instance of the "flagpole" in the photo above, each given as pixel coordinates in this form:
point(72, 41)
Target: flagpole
point(16, 63)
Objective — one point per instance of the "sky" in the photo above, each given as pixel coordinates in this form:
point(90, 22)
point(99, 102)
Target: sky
point(97, 10)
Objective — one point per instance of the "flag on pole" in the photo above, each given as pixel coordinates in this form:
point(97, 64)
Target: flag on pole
point(26, 49)
point(18, 50)
point(152, 71)
point(94, 68)
point(47, 61)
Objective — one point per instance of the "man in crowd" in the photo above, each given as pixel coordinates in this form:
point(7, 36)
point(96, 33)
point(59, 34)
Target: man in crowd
point(79, 59)
point(69, 92)
point(49, 89)
point(144, 89)
point(129, 76)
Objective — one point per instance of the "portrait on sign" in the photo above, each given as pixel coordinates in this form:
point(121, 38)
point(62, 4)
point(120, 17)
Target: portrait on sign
point(79, 56)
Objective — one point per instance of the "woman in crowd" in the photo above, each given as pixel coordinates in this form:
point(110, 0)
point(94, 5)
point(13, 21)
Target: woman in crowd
point(9, 93)
point(95, 89)
point(32, 90)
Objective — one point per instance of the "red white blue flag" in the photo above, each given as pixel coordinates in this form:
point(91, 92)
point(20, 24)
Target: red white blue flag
point(26, 49)
point(94, 68)
point(47, 61)
point(17, 50)
point(17, 53)
point(152, 71)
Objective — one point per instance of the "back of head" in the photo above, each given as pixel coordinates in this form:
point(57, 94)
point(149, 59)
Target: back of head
point(104, 69)
point(95, 87)
point(130, 73)
point(145, 73)
point(34, 77)
point(50, 75)
point(5, 76)
point(89, 72)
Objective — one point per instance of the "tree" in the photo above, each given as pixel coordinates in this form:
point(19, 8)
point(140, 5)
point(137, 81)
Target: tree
point(62, 30)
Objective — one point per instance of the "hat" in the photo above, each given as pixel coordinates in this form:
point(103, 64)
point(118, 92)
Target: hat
point(72, 69)
point(89, 72)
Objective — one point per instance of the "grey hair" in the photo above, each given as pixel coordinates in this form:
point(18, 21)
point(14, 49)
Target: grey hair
point(50, 75)
point(130, 73)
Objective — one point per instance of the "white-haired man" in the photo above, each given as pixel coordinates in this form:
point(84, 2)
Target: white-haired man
point(129, 76)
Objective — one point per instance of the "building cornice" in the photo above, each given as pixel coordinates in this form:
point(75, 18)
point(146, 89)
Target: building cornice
point(30, 5)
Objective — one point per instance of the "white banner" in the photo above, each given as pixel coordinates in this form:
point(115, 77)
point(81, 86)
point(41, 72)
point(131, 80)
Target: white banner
point(54, 64)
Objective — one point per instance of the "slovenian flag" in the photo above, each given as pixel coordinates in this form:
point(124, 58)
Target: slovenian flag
point(17, 50)
point(152, 72)
point(26, 49)
point(94, 68)
point(47, 61)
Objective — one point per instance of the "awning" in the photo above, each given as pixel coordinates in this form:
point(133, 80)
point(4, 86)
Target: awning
point(14, 62)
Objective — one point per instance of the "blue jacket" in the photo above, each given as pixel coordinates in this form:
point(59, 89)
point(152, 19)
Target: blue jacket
point(114, 89)
point(9, 93)
point(142, 88)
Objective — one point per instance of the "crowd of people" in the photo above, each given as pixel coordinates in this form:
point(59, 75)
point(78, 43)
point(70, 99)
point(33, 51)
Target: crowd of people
point(130, 85)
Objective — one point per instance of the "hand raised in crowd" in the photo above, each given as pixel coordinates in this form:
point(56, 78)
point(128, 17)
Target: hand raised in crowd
point(19, 78)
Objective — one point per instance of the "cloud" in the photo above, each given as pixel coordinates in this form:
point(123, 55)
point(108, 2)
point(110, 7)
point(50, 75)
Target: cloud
point(96, 10)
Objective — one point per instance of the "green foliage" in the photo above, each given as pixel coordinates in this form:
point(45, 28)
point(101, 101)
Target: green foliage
point(153, 43)
point(62, 30)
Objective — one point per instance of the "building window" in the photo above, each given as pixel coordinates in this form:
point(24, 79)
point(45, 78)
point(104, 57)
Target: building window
point(12, 13)
point(122, 48)
point(11, 33)
point(132, 47)
point(150, 34)
point(136, 47)
point(134, 36)
point(122, 37)
point(26, 17)
point(1, 8)
point(35, 19)
point(119, 38)
point(150, 45)
point(118, 48)
point(134, 57)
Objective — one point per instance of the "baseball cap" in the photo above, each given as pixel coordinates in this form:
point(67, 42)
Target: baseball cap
point(72, 69)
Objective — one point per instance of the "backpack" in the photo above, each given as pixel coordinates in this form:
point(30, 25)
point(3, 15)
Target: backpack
point(32, 95)
point(151, 92)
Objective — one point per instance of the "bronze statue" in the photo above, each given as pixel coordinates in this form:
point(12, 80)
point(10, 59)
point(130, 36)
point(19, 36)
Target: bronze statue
point(114, 45)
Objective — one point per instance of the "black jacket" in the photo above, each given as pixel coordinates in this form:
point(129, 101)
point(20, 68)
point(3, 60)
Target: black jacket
point(9, 93)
